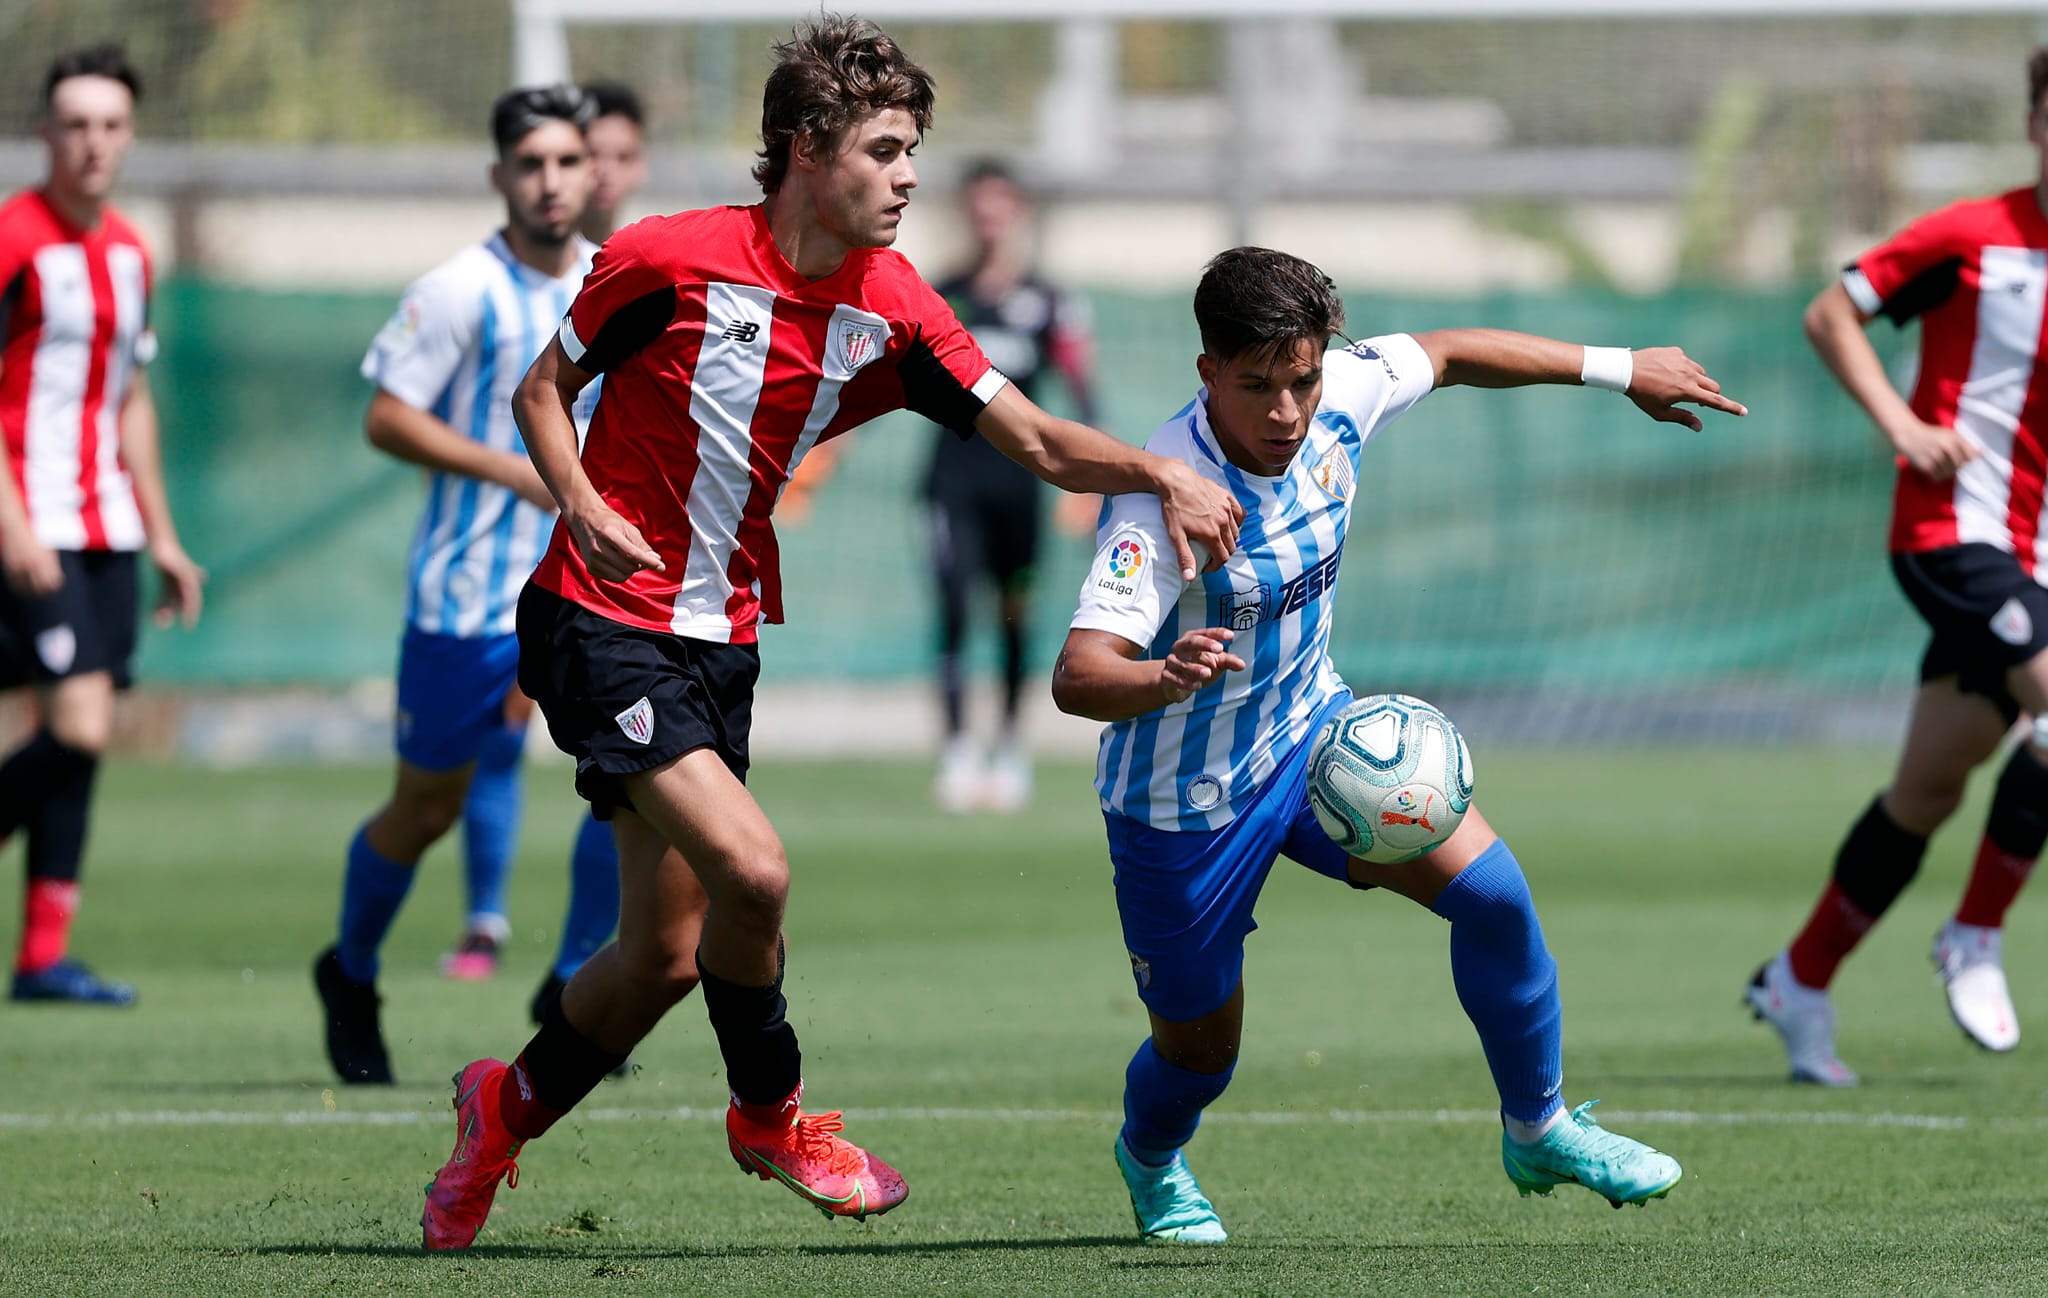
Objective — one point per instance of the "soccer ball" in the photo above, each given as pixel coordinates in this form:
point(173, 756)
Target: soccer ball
point(1389, 778)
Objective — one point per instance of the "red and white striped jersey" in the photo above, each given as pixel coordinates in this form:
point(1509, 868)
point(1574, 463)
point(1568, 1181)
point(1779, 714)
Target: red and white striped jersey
point(722, 368)
point(74, 329)
point(1976, 273)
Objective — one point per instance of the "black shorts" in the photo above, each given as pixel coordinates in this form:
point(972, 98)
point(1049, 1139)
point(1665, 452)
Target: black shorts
point(87, 626)
point(620, 699)
point(991, 529)
point(1987, 616)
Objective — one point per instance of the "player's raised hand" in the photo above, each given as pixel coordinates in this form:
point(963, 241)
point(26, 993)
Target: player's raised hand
point(612, 548)
point(1197, 659)
point(1665, 377)
point(1197, 510)
point(182, 589)
point(1931, 449)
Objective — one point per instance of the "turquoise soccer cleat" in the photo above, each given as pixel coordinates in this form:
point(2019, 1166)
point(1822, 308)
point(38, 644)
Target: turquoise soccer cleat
point(1166, 1201)
point(1579, 1151)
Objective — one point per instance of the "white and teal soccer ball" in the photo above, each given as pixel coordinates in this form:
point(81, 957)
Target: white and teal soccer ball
point(1389, 778)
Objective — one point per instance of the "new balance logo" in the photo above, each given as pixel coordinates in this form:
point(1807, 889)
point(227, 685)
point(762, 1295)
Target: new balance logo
point(742, 331)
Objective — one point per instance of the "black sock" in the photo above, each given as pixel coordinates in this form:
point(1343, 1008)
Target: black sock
point(1013, 669)
point(1877, 861)
point(2018, 822)
point(762, 1062)
point(56, 826)
point(26, 775)
point(562, 1063)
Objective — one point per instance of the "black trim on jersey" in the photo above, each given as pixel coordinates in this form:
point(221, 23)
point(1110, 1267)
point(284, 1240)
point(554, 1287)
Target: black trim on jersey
point(929, 389)
point(10, 295)
point(630, 328)
point(1922, 293)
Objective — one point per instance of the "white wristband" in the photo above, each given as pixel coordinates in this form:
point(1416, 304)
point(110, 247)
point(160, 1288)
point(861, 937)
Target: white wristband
point(1608, 367)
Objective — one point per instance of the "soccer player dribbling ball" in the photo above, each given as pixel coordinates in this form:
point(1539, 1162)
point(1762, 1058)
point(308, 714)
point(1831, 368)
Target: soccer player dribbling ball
point(1967, 549)
point(731, 342)
point(1203, 766)
point(81, 493)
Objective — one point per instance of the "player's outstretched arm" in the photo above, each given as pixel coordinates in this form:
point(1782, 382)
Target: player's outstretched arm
point(1104, 677)
point(1657, 379)
point(1075, 457)
point(182, 591)
point(543, 405)
point(1834, 325)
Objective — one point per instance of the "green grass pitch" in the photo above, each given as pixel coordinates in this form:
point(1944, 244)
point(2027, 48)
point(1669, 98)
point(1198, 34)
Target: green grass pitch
point(961, 991)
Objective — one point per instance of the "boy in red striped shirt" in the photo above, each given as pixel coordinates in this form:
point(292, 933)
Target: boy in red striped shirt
point(1967, 549)
point(83, 493)
point(732, 342)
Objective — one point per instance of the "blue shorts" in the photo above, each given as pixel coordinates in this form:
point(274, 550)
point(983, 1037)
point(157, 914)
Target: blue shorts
point(1186, 898)
point(451, 695)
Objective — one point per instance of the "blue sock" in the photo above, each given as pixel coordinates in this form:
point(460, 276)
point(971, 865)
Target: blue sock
point(1507, 981)
point(490, 822)
point(1163, 1104)
point(371, 893)
point(593, 897)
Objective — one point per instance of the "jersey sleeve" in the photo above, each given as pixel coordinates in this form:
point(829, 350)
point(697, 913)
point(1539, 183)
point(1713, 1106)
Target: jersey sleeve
point(946, 378)
point(1134, 581)
point(415, 355)
point(627, 300)
point(1913, 271)
point(1377, 380)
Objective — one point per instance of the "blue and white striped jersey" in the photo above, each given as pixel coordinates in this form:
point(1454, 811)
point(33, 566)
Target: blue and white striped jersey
point(1188, 766)
point(461, 340)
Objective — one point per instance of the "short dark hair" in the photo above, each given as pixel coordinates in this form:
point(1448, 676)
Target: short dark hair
point(989, 169)
point(1257, 301)
point(826, 74)
point(616, 99)
point(105, 59)
point(2037, 77)
point(517, 112)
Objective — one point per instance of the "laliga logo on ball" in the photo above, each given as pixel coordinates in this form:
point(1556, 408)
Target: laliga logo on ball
point(1389, 778)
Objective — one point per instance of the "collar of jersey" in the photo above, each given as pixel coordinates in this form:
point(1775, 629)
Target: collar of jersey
point(1205, 441)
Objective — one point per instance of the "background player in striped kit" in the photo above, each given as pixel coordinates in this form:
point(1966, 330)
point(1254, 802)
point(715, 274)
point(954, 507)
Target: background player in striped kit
point(1203, 768)
point(445, 367)
point(1967, 549)
point(732, 341)
point(83, 492)
point(986, 509)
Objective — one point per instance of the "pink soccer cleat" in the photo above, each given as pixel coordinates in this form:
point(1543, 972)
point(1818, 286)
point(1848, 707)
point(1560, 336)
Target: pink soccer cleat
point(460, 1196)
point(806, 1153)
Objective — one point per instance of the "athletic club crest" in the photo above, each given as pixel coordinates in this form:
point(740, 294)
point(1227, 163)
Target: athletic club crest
point(859, 343)
point(638, 721)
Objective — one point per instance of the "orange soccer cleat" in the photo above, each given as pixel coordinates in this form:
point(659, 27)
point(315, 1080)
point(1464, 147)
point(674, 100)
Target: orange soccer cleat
point(805, 1152)
point(460, 1196)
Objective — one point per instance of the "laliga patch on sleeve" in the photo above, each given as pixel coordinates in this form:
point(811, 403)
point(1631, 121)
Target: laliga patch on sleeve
point(1120, 570)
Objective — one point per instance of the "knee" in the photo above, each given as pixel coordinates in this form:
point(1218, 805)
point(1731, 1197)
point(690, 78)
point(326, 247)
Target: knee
point(427, 818)
point(1201, 1055)
point(756, 886)
point(86, 736)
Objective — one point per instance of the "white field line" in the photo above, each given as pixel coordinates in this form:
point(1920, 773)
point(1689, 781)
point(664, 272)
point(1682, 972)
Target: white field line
point(338, 1117)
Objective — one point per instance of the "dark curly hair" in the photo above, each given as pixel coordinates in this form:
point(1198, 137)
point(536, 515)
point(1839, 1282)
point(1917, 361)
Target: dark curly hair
point(826, 75)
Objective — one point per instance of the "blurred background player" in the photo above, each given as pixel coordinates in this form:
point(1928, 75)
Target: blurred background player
point(1966, 542)
point(618, 156)
point(618, 167)
point(445, 367)
point(986, 509)
point(1204, 766)
point(83, 493)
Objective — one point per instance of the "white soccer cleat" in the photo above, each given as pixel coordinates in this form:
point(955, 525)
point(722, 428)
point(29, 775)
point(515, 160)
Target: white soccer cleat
point(958, 786)
point(1969, 961)
point(1009, 780)
point(1805, 1020)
